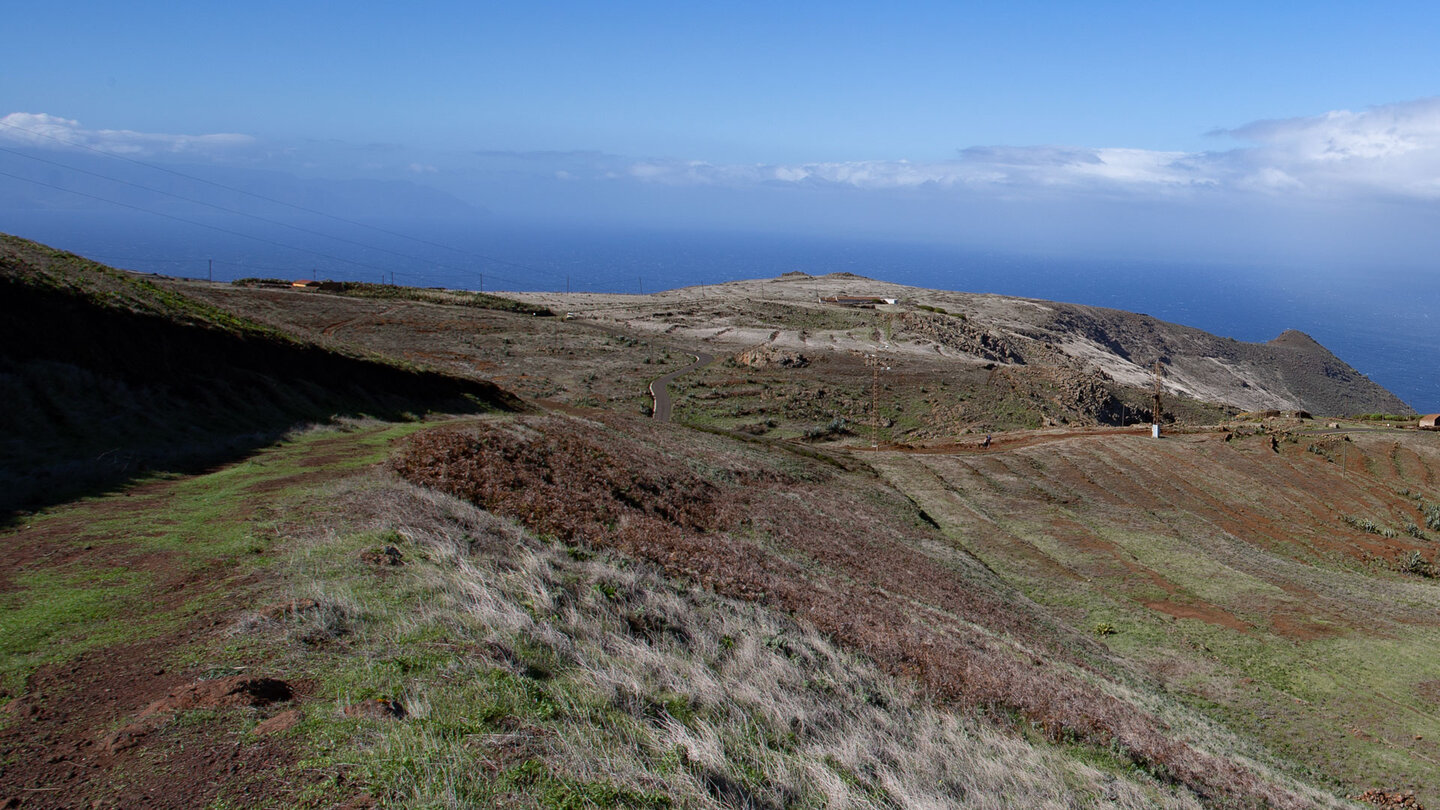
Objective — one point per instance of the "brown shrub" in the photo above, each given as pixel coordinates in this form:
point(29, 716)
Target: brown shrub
point(868, 586)
point(567, 484)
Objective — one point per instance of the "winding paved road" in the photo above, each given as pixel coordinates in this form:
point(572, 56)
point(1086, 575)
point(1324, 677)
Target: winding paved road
point(659, 390)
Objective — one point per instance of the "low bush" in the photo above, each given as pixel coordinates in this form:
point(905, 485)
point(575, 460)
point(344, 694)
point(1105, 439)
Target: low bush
point(1369, 526)
point(1413, 562)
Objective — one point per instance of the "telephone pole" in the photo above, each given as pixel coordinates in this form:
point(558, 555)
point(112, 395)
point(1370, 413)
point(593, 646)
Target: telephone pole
point(1155, 411)
point(873, 361)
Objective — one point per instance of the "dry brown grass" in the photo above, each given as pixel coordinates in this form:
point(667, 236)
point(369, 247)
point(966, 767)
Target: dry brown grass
point(838, 559)
point(659, 688)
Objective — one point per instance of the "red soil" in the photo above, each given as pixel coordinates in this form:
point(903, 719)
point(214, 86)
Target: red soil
point(77, 725)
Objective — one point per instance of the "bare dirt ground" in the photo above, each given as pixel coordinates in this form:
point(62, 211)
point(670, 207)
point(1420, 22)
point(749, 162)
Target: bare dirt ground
point(123, 716)
point(75, 736)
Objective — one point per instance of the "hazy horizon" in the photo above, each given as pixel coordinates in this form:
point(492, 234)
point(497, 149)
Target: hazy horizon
point(1120, 130)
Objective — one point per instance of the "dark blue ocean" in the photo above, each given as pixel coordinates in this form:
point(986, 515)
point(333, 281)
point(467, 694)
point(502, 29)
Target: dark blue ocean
point(1378, 321)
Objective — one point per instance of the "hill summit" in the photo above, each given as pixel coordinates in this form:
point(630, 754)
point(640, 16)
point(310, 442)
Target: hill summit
point(1023, 362)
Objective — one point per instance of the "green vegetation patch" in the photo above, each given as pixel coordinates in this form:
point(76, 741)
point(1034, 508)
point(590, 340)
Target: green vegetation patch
point(58, 614)
point(105, 591)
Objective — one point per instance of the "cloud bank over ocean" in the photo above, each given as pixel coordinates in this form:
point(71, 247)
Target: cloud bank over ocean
point(53, 132)
point(1340, 186)
point(1391, 151)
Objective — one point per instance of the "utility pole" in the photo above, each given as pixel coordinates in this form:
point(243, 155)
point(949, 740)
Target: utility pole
point(482, 282)
point(567, 283)
point(641, 282)
point(210, 273)
point(873, 361)
point(1155, 412)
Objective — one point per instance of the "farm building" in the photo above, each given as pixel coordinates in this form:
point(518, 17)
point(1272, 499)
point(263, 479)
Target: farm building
point(857, 300)
point(305, 284)
point(1428, 421)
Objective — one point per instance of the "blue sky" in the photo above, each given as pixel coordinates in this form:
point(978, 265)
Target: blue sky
point(722, 82)
point(1278, 131)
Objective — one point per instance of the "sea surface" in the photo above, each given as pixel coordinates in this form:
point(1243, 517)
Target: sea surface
point(1376, 320)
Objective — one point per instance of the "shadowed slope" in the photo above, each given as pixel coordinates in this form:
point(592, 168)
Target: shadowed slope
point(106, 375)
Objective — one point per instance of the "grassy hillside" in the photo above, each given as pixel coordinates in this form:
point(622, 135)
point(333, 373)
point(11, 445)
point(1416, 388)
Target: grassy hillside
point(856, 559)
point(566, 605)
point(433, 655)
point(1283, 582)
point(106, 375)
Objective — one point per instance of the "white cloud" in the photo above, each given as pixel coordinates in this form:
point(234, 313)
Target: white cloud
point(1386, 151)
point(53, 132)
point(1389, 150)
point(975, 169)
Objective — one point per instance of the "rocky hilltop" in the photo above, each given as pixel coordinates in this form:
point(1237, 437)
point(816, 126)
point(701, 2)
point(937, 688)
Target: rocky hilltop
point(1291, 372)
point(1084, 358)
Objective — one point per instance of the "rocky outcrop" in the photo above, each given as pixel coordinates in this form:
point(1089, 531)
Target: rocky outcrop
point(1291, 372)
point(768, 356)
point(958, 334)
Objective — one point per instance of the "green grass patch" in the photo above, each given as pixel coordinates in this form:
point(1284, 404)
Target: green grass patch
point(57, 615)
point(94, 600)
point(229, 515)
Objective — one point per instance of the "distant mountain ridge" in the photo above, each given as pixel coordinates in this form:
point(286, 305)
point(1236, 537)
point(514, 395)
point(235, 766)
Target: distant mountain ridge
point(1081, 362)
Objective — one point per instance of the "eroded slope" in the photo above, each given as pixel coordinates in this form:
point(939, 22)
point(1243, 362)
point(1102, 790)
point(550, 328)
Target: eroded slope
point(1286, 583)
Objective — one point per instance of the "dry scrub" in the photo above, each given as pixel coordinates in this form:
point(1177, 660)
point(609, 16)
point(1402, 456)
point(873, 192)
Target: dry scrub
point(877, 589)
point(653, 693)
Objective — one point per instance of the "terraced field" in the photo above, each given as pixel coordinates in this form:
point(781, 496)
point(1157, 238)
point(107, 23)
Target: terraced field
point(1285, 587)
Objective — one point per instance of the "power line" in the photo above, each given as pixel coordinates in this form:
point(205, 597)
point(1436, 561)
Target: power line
point(236, 212)
point(273, 200)
point(263, 240)
point(218, 207)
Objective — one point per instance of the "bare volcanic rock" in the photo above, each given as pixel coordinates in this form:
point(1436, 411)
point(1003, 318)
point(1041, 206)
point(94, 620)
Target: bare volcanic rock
point(1291, 372)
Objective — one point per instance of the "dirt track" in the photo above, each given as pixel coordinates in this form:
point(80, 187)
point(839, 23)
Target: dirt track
point(1010, 441)
point(659, 386)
